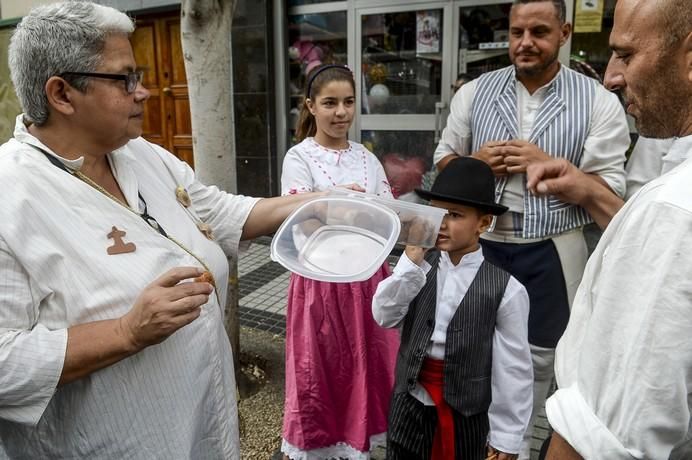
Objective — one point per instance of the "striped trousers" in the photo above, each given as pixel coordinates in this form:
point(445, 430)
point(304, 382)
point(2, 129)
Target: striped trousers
point(412, 430)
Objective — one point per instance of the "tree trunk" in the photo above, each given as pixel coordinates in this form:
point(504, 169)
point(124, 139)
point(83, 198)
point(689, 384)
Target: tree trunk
point(206, 39)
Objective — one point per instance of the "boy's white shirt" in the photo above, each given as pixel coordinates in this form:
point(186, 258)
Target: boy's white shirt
point(512, 371)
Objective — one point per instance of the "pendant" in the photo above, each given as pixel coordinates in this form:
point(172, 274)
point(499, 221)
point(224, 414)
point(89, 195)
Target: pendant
point(119, 246)
point(206, 230)
point(182, 196)
point(206, 277)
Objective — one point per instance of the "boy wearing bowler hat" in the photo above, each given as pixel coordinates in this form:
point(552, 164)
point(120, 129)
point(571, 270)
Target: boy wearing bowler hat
point(464, 376)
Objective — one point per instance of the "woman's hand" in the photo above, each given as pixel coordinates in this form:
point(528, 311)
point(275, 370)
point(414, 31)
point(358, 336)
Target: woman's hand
point(494, 454)
point(165, 306)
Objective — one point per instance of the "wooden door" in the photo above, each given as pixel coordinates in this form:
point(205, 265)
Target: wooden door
point(157, 47)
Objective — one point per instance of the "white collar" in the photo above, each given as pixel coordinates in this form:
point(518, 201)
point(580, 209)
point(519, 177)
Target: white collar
point(543, 89)
point(22, 134)
point(472, 259)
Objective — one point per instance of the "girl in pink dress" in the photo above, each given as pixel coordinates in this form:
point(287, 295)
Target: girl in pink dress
point(339, 362)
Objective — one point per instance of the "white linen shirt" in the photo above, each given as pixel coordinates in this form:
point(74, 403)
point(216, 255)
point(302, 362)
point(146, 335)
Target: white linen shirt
point(512, 371)
point(652, 157)
point(624, 364)
point(173, 399)
point(604, 148)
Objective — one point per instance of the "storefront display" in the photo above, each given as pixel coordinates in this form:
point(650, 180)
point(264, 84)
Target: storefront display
point(314, 39)
point(406, 157)
point(401, 62)
point(406, 58)
point(483, 38)
point(591, 48)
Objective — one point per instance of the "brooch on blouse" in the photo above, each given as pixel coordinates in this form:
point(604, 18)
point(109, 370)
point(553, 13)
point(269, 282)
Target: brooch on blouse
point(119, 246)
point(183, 198)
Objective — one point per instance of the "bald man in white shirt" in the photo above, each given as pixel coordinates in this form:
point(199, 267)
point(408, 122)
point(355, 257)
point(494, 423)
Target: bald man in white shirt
point(624, 364)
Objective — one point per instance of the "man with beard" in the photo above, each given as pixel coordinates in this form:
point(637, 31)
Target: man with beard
point(528, 113)
point(624, 364)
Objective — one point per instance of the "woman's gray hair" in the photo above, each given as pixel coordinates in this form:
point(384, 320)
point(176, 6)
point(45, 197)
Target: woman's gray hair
point(57, 38)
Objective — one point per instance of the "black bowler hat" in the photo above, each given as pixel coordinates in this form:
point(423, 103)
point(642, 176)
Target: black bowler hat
point(466, 181)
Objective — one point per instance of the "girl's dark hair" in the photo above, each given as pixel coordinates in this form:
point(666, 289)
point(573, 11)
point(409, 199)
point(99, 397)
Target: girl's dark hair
point(317, 79)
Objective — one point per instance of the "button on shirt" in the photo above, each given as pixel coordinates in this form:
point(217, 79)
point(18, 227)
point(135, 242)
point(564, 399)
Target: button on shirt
point(512, 372)
point(513, 194)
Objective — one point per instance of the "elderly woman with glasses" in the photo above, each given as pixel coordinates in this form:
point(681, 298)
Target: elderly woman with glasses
point(111, 326)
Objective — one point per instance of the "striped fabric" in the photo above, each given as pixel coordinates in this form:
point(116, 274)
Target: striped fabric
point(560, 129)
point(172, 400)
point(412, 431)
point(470, 333)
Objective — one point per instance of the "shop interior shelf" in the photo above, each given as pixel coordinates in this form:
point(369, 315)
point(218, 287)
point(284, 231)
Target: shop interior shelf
point(479, 55)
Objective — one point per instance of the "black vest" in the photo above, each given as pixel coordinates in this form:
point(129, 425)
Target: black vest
point(469, 343)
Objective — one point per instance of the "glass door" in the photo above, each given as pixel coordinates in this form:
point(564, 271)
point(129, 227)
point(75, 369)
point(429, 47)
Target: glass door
point(313, 39)
point(483, 38)
point(404, 54)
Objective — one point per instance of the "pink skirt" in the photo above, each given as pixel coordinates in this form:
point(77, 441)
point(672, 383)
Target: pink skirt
point(339, 365)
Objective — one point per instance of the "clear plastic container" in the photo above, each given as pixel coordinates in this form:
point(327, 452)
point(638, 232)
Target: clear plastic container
point(420, 223)
point(336, 239)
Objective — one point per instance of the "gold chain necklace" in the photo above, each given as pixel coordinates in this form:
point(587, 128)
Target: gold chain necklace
point(86, 179)
point(89, 181)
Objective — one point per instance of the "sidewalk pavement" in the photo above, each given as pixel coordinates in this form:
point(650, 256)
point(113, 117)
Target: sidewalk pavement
point(263, 288)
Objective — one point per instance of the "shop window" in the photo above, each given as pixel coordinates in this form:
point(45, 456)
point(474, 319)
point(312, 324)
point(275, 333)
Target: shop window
point(483, 38)
point(314, 39)
point(590, 51)
point(406, 157)
point(402, 62)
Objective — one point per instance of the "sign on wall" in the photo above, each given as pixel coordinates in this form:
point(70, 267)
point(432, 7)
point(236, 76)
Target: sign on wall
point(588, 15)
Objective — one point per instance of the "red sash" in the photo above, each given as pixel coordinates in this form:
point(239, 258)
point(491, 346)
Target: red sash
point(432, 379)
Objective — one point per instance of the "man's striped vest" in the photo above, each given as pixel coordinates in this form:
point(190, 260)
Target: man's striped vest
point(469, 341)
point(560, 129)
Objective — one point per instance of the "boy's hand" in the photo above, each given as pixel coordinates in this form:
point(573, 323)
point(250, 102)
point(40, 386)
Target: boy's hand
point(415, 254)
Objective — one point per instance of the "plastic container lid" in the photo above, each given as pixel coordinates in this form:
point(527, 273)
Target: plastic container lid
point(420, 223)
point(336, 239)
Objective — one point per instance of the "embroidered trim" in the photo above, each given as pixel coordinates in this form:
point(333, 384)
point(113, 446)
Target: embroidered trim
point(336, 451)
point(301, 189)
point(319, 165)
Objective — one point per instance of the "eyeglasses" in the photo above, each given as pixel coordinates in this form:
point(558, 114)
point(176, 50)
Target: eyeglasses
point(131, 79)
